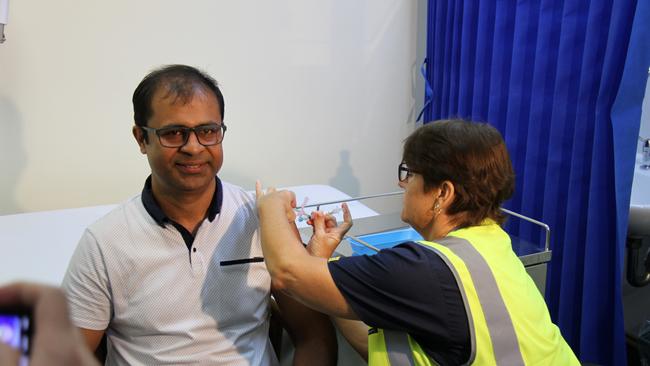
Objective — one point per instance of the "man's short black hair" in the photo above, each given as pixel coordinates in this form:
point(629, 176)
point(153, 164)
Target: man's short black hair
point(180, 81)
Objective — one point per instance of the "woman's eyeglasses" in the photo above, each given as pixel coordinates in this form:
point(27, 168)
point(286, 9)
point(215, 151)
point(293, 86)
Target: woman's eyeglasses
point(403, 172)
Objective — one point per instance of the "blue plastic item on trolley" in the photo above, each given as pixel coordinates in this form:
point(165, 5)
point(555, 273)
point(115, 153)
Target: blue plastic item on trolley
point(389, 239)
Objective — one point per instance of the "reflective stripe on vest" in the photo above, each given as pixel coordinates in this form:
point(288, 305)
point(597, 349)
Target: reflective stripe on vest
point(502, 332)
point(398, 349)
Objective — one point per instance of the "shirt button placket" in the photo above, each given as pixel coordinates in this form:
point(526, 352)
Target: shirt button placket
point(198, 264)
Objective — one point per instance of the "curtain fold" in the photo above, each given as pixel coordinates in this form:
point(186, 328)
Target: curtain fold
point(563, 81)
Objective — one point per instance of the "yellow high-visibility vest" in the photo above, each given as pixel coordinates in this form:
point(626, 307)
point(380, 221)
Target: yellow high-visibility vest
point(508, 318)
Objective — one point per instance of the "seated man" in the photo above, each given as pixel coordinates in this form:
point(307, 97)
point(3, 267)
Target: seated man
point(176, 274)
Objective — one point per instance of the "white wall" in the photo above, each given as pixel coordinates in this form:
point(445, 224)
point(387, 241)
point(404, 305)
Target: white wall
point(316, 91)
point(644, 130)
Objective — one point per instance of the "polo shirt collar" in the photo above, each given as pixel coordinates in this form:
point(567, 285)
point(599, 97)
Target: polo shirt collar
point(161, 218)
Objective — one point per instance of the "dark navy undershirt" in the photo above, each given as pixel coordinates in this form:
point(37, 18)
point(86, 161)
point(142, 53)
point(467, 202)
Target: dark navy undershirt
point(408, 288)
point(153, 208)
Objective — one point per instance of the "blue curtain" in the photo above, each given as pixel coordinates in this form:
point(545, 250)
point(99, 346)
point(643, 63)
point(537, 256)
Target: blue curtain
point(563, 81)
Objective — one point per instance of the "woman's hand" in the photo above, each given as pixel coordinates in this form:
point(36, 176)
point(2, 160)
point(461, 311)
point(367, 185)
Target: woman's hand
point(274, 200)
point(327, 234)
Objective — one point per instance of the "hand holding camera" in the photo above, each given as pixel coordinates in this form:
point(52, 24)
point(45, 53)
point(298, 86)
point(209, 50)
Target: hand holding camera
point(34, 322)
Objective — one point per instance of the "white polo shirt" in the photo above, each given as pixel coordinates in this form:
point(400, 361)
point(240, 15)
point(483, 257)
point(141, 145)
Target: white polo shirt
point(161, 303)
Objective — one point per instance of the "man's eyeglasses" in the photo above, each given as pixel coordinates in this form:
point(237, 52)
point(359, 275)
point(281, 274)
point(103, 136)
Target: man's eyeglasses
point(177, 136)
point(403, 172)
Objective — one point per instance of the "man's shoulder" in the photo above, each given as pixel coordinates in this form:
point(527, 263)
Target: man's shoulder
point(233, 189)
point(235, 194)
point(120, 215)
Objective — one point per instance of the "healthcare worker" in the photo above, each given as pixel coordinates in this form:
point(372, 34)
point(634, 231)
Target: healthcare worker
point(461, 296)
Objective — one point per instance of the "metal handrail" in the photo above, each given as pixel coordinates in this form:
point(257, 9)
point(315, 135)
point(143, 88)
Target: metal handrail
point(317, 205)
point(362, 242)
point(546, 228)
point(543, 225)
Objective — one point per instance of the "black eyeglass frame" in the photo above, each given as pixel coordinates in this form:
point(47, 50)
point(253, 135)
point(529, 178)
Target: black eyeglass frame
point(408, 173)
point(186, 133)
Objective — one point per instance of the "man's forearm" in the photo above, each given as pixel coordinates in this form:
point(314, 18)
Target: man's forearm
point(356, 333)
point(315, 340)
point(311, 332)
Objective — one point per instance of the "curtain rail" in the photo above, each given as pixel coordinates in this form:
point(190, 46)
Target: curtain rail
point(546, 228)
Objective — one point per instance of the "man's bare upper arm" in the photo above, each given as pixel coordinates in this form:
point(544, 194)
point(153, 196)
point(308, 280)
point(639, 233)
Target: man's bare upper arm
point(92, 337)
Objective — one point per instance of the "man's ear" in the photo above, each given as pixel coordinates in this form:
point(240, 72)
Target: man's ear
point(138, 134)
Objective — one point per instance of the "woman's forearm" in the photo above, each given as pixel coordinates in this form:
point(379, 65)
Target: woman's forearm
point(281, 246)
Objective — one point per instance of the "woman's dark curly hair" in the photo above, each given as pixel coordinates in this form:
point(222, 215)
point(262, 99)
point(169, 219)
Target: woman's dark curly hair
point(473, 157)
